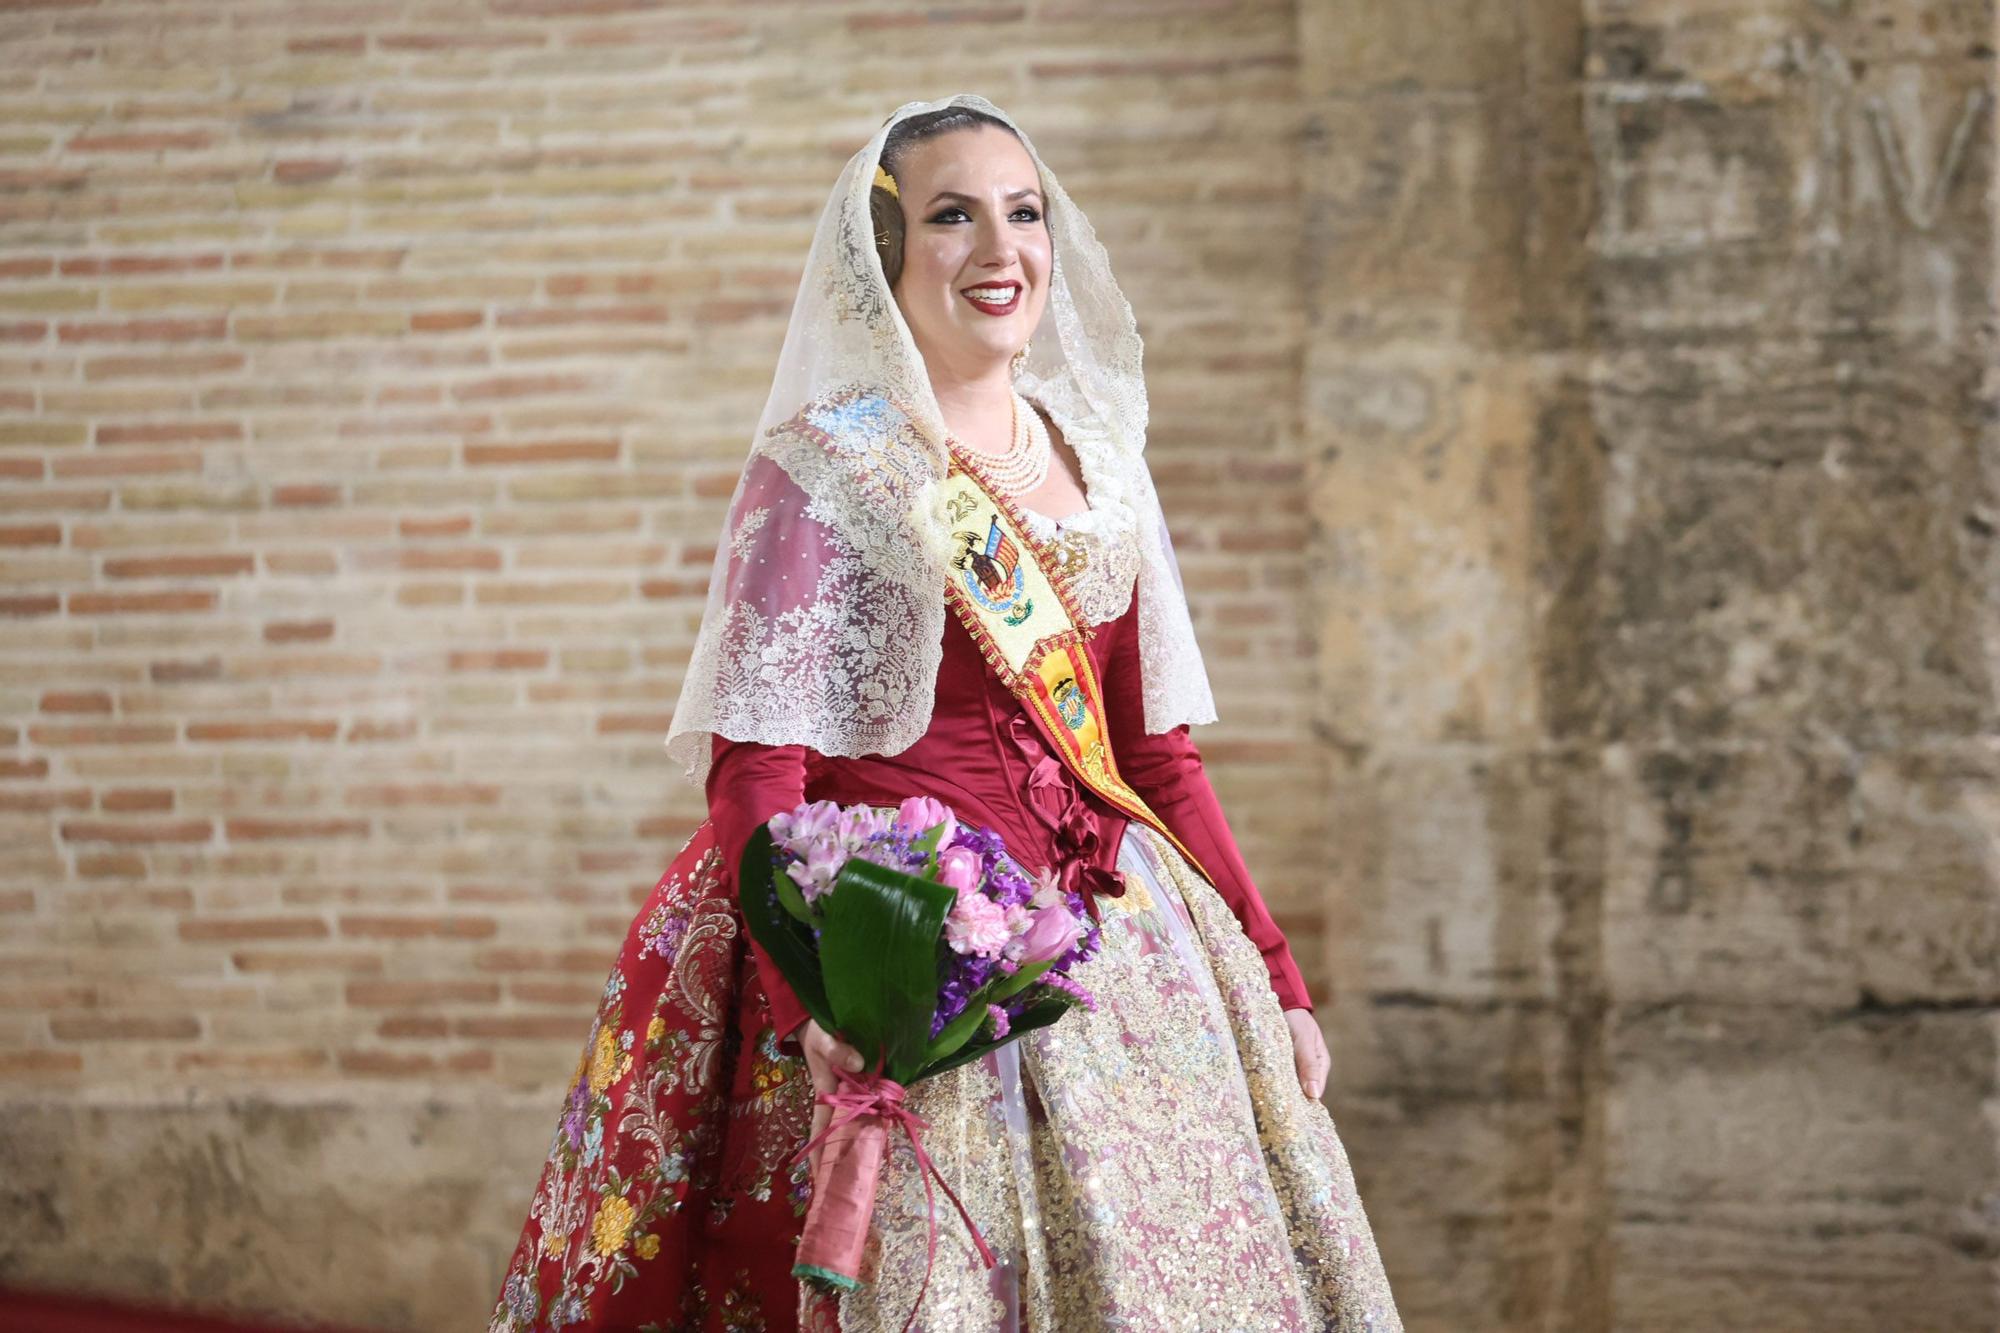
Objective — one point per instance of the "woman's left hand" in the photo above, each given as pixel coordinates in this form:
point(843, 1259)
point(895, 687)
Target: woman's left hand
point(1308, 1051)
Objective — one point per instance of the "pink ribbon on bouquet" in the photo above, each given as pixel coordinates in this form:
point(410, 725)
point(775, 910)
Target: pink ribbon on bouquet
point(863, 1095)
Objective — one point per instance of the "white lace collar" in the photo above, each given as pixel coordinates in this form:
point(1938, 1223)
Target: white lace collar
point(1106, 508)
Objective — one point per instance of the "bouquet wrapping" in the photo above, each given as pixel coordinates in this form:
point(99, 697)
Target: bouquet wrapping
point(918, 941)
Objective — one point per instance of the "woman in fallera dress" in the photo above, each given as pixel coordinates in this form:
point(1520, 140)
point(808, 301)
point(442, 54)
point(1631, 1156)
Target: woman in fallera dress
point(1160, 1161)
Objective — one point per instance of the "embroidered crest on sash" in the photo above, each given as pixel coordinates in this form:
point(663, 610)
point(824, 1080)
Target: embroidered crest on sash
point(1016, 603)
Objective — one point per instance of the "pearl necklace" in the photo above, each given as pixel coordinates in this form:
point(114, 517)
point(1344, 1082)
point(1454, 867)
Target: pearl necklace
point(1025, 465)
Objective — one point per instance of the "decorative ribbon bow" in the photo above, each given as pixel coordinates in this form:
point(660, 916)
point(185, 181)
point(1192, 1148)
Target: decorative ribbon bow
point(1076, 833)
point(861, 1095)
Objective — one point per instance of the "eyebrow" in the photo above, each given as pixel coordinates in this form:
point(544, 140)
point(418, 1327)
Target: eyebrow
point(954, 194)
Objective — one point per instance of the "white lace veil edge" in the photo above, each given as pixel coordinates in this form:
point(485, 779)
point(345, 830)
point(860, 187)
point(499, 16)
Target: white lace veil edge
point(825, 612)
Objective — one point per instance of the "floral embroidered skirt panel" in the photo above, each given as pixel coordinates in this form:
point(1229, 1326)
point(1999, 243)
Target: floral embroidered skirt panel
point(1151, 1165)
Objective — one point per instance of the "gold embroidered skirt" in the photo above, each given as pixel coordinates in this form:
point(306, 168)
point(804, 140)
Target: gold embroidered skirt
point(1152, 1165)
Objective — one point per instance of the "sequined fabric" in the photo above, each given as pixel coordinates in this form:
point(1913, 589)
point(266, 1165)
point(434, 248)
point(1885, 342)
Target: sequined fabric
point(1152, 1165)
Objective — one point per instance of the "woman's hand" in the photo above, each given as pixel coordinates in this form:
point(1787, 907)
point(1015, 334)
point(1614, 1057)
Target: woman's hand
point(1308, 1052)
point(824, 1054)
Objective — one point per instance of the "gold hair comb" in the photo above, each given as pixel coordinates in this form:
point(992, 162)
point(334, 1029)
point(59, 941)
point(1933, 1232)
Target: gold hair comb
point(886, 181)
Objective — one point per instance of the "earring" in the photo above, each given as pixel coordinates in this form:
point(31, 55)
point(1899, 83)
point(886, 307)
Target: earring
point(1020, 360)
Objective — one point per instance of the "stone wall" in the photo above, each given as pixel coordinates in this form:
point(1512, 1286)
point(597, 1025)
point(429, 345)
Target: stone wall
point(1651, 429)
point(1578, 424)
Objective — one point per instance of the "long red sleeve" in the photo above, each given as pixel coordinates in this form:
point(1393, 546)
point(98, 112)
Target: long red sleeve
point(747, 784)
point(1166, 770)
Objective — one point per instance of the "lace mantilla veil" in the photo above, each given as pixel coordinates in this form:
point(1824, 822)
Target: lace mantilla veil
point(825, 612)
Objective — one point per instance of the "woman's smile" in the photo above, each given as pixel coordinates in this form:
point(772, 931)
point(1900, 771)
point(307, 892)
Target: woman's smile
point(998, 298)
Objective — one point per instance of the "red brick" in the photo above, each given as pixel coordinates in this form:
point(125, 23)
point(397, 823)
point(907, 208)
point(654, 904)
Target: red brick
point(169, 673)
point(570, 994)
point(127, 800)
point(429, 794)
point(32, 605)
point(262, 1063)
point(382, 729)
point(548, 451)
point(387, 1064)
point(435, 525)
point(173, 329)
point(616, 723)
point(47, 995)
point(500, 659)
point(181, 566)
point(140, 603)
point(110, 865)
point(475, 558)
point(414, 1027)
point(306, 960)
point(80, 701)
point(108, 830)
point(32, 534)
point(34, 1062)
point(173, 431)
point(524, 1027)
point(445, 321)
point(298, 631)
point(398, 994)
point(244, 830)
point(46, 799)
point(587, 961)
point(268, 729)
point(418, 927)
point(199, 929)
point(155, 463)
point(125, 1027)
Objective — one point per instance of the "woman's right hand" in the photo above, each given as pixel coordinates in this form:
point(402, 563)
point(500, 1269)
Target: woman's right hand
point(824, 1053)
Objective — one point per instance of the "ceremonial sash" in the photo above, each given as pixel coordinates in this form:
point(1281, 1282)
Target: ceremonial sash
point(1019, 609)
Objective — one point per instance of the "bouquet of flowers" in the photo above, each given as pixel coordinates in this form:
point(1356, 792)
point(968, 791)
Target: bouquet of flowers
point(919, 942)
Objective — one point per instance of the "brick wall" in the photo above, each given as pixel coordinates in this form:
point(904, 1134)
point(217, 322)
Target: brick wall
point(375, 377)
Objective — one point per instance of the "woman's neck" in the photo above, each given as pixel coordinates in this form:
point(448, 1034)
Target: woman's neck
point(979, 413)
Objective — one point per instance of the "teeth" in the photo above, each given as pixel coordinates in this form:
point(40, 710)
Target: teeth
point(996, 295)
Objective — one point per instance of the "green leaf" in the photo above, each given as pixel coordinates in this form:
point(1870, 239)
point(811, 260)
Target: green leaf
point(927, 843)
point(1006, 988)
point(788, 940)
point(960, 1029)
point(879, 954)
point(1037, 1015)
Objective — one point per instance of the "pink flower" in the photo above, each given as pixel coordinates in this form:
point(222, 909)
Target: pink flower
point(1001, 1023)
point(977, 925)
point(1051, 935)
point(1048, 888)
point(822, 860)
point(794, 830)
point(855, 827)
point(961, 868)
point(920, 814)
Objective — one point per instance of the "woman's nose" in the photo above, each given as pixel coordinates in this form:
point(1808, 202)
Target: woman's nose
point(995, 243)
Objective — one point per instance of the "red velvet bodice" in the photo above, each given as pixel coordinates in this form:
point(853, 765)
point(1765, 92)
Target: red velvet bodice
point(984, 757)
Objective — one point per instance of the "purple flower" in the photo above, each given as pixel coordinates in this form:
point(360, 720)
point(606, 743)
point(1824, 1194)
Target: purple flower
point(1057, 981)
point(1001, 1023)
